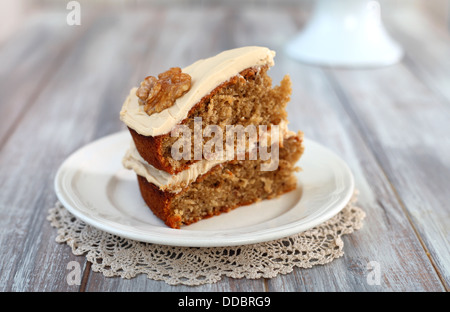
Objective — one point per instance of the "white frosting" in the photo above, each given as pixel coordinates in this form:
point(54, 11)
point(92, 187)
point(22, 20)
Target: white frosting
point(206, 75)
point(166, 181)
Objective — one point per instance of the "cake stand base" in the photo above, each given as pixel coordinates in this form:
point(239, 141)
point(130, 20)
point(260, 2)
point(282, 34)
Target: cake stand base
point(345, 33)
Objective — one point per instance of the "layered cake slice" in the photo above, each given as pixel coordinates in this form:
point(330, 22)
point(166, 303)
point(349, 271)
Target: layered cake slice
point(211, 137)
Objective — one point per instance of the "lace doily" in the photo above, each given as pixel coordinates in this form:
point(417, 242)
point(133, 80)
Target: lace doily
point(116, 256)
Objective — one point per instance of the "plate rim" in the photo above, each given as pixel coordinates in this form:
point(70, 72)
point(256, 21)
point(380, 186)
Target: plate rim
point(256, 237)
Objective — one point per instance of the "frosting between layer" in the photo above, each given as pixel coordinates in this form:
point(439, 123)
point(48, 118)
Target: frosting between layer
point(206, 74)
point(175, 183)
point(166, 181)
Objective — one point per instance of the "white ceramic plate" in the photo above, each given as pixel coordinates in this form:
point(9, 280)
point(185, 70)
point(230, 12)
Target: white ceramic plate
point(93, 186)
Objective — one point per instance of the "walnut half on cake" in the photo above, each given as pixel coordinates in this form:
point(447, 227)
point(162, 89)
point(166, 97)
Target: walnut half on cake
point(211, 137)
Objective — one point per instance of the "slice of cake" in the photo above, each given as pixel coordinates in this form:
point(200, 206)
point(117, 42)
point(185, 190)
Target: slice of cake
point(211, 137)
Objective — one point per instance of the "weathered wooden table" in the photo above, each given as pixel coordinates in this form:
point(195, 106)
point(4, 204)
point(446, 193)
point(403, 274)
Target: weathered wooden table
point(62, 87)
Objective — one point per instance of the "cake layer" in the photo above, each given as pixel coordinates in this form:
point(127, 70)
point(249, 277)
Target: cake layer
point(246, 99)
point(206, 75)
point(165, 181)
point(176, 182)
point(224, 187)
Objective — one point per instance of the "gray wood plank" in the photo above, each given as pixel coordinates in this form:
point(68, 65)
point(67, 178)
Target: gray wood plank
point(29, 59)
point(64, 117)
point(425, 37)
point(407, 129)
point(317, 110)
point(97, 282)
point(24, 72)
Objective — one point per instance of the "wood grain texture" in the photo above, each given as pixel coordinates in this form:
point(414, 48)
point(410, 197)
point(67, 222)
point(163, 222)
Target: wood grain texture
point(425, 37)
point(384, 225)
point(390, 125)
point(416, 165)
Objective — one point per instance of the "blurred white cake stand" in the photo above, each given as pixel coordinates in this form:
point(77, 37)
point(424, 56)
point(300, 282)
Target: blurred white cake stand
point(345, 33)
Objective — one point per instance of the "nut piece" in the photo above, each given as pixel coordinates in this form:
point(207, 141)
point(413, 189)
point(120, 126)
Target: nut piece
point(157, 94)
